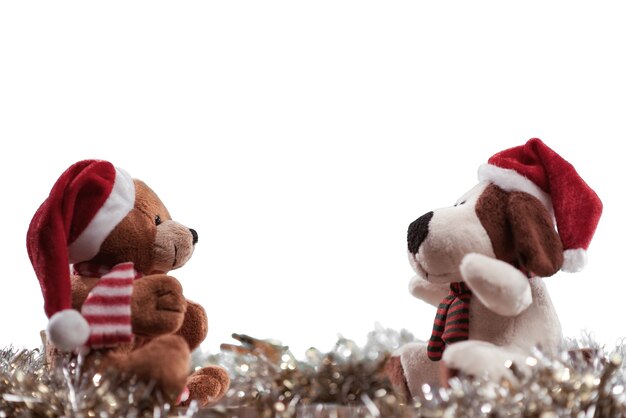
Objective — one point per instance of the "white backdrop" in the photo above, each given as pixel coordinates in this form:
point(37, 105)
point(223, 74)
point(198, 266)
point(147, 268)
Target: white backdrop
point(301, 139)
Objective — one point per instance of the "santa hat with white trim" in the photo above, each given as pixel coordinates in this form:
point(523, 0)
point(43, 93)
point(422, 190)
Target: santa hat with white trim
point(85, 204)
point(536, 169)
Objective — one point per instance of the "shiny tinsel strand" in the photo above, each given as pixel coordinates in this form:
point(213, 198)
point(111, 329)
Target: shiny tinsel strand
point(583, 380)
point(268, 381)
point(29, 388)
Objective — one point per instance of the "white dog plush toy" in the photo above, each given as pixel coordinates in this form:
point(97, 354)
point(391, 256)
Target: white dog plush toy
point(481, 263)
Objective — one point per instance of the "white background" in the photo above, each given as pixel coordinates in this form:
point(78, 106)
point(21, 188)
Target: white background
point(301, 139)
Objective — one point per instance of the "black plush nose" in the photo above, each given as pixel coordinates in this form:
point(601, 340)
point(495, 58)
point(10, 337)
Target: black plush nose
point(418, 230)
point(194, 235)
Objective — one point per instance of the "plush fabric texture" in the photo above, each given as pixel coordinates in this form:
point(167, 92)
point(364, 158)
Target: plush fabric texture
point(451, 322)
point(475, 358)
point(497, 243)
point(74, 201)
point(491, 209)
point(418, 230)
point(164, 360)
point(510, 181)
point(169, 232)
point(67, 330)
point(158, 305)
point(577, 208)
point(395, 373)
point(166, 326)
point(206, 385)
point(537, 245)
point(133, 238)
point(574, 259)
point(427, 291)
point(118, 203)
point(107, 306)
point(521, 231)
point(452, 233)
point(154, 247)
point(509, 335)
point(501, 288)
point(195, 325)
point(418, 368)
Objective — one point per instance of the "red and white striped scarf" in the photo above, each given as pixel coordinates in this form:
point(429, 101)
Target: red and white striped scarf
point(107, 307)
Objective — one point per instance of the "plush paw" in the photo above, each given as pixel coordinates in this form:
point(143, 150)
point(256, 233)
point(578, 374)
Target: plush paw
point(158, 305)
point(498, 285)
point(479, 358)
point(207, 386)
point(418, 369)
point(395, 373)
point(195, 326)
point(431, 293)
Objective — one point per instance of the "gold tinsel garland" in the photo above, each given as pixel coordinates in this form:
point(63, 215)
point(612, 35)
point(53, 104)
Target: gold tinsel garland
point(268, 381)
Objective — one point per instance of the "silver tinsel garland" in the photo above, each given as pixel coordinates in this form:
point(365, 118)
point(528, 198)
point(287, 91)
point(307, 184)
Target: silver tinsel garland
point(29, 388)
point(583, 380)
point(348, 381)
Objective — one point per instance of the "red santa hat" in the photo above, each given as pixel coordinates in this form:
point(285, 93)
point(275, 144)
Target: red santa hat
point(536, 169)
point(85, 204)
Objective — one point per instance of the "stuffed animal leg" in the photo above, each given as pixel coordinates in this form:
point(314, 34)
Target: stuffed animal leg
point(147, 363)
point(480, 358)
point(207, 385)
point(410, 367)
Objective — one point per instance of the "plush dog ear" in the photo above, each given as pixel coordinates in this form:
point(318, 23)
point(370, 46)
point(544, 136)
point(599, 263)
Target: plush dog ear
point(537, 244)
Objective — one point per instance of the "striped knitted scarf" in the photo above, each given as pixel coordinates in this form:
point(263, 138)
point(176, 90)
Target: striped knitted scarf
point(107, 307)
point(452, 320)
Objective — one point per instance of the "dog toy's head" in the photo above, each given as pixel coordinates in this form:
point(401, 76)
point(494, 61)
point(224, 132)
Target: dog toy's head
point(97, 215)
point(511, 215)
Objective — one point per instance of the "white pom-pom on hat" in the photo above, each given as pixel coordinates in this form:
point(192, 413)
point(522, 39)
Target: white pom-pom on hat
point(574, 260)
point(67, 330)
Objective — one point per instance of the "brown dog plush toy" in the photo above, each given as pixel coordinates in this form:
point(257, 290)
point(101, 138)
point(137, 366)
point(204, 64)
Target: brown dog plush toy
point(119, 304)
point(481, 263)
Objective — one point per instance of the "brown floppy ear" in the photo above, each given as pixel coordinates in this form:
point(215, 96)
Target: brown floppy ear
point(538, 246)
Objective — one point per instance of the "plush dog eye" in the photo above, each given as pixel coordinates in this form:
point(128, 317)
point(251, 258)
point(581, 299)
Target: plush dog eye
point(460, 203)
point(157, 220)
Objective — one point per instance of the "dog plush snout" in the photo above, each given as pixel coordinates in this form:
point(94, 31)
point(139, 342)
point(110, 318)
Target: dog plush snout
point(418, 230)
point(194, 236)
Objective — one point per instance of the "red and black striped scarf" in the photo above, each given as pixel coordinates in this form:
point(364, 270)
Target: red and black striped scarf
point(452, 320)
